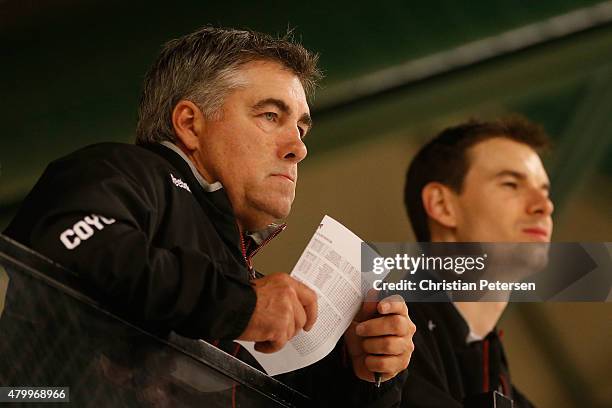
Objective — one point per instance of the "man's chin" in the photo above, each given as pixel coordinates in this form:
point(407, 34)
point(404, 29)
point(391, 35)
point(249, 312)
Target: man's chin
point(263, 215)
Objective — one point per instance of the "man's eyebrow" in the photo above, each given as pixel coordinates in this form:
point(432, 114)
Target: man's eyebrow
point(283, 107)
point(280, 104)
point(520, 176)
point(512, 173)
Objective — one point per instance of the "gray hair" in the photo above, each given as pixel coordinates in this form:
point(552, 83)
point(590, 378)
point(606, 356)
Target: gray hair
point(204, 66)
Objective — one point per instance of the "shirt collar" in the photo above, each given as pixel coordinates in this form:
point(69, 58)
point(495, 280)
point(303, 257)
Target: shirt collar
point(208, 187)
point(263, 234)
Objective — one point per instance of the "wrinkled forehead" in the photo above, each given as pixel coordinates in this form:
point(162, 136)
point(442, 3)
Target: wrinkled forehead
point(492, 156)
point(270, 79)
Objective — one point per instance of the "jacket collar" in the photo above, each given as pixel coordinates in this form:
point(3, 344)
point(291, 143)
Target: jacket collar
point(208, 187)
point(215, 202)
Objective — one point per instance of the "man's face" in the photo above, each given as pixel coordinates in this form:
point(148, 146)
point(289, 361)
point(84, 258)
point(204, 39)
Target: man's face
point(504, 196)
point(255, 145)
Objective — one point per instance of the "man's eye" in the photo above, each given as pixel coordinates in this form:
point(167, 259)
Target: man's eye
point(510, 184)
point(271, 116)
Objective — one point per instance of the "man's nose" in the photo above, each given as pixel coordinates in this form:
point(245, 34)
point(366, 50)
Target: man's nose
point(540, 203)
point(293, 148)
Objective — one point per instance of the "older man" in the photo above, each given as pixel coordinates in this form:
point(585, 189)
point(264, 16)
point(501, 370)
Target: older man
point(475, 182)
point(164, 231)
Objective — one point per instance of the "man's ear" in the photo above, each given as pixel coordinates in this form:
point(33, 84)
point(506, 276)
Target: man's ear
point(188, 122)
point(439, 204)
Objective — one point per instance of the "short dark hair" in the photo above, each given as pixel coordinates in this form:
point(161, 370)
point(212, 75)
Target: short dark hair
point(203, 66)
point(444, 159)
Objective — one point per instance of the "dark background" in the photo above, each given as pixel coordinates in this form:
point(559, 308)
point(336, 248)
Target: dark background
point(71, 74)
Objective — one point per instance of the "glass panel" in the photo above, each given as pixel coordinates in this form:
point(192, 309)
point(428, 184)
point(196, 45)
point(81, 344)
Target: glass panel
point(48, 337)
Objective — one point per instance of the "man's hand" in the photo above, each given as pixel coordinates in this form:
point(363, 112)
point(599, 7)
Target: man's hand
point(381, 344)
point(284, 306)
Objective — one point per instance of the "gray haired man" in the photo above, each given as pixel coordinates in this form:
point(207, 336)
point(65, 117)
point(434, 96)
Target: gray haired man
point(164, 231)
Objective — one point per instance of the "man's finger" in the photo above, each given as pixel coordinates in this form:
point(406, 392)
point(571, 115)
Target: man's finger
point(386, 364)
point(269, 346)
point(299, 316)
point(391, 325)
point(389, 345)
point(393, 305)
point(308, 299)
point(368, 307)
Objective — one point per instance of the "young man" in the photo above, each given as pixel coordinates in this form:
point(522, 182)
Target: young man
point(164, 231)
point(475, 182)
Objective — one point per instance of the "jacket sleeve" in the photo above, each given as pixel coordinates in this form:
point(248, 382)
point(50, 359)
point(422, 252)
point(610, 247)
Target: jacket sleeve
point(421, 391)
point(426, 384)
point(431, 383)
point(331, 382)
point(98, 222)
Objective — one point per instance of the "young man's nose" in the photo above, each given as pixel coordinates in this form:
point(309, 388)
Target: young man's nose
point(540, 203)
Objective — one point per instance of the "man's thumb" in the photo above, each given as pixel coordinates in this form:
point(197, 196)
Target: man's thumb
point(368, 307)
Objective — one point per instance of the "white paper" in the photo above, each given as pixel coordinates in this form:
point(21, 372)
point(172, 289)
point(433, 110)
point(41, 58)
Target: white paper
point(330, 265)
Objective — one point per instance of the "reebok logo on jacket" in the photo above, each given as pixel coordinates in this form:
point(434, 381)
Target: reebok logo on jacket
point(179, 183)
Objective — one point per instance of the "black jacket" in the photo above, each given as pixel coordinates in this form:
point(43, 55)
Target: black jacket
point(446, 371)
point(168, 258)
point(147, 240)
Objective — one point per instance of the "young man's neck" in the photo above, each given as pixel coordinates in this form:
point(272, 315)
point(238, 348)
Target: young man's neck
point(481, 317)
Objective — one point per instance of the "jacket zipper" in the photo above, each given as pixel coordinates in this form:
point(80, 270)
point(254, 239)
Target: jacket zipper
point(249, 259)
point(249, 264)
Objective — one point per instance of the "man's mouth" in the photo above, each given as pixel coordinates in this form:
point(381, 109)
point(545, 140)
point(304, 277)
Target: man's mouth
point(285, 176)
point(538, 233)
